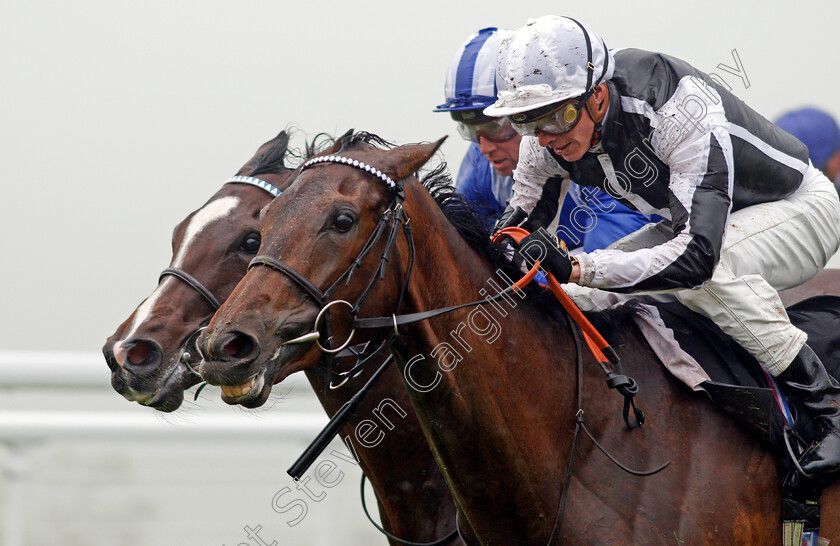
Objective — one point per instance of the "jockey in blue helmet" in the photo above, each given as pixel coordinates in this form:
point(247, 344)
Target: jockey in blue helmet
point(589, 218)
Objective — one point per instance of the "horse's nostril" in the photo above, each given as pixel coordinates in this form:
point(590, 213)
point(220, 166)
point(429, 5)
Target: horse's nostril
point(240, 346)
point(137, 355)
point(110, 358)
point(141, 356)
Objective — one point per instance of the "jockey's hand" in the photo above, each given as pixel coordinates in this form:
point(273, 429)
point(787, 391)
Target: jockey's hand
point(551, 253)
point(512, 216)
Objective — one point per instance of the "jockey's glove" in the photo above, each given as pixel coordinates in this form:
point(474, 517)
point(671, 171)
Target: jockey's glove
point(512, 216)
point(551, 253)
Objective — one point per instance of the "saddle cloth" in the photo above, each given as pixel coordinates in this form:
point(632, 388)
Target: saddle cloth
point(698, 353)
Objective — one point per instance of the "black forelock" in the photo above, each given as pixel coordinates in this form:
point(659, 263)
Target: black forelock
point(318, 145)
point(351, 141)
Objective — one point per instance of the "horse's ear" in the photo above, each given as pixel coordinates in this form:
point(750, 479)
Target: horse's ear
point(270, 152)
point(406, 160)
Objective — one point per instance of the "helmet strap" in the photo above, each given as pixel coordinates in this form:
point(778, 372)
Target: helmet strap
point(597, 112)
point(596, 136)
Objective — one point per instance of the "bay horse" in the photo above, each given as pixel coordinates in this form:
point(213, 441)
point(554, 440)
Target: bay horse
point(214, 245)
point(495, 388)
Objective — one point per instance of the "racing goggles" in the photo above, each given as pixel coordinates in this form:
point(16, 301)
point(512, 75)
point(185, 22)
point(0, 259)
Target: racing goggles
point(494, 130)
point(550, 119)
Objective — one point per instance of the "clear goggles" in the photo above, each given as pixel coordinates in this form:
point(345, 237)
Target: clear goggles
point(554, 120)
point(496, 130)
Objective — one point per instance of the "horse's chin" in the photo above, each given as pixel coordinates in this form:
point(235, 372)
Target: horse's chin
point(143, 390)
point(167, 402)
point(170, 395)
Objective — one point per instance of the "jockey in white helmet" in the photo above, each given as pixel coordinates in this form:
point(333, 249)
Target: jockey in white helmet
point(746, 214)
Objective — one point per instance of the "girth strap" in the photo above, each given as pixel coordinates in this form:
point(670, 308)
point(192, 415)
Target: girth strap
point(193, 282)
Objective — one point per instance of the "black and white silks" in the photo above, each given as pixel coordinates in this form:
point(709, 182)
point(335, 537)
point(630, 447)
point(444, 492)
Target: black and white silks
point(677, 144)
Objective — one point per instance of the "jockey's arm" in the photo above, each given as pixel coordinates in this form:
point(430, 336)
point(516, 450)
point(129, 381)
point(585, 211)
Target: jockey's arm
point(700, 188)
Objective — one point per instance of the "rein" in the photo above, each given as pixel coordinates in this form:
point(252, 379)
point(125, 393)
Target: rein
point(439, 542)
point(598, 346)
point(580, 425)
point(602, 351)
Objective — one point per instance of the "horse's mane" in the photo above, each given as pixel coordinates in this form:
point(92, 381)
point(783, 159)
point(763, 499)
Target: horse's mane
point(461, 213)
point(474, 229)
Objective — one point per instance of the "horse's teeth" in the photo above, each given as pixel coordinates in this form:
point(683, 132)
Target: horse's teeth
point(232, 391)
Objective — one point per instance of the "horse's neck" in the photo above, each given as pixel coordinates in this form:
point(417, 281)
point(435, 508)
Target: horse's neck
point(488, 382)
point(505, 338)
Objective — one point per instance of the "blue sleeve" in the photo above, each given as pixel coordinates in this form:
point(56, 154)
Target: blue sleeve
point(592, 218)
point(612, 220)
point(475, 182)
point(568, 231)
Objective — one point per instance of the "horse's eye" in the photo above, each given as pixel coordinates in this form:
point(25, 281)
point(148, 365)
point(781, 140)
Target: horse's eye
point(251, 243)
point(343, 222)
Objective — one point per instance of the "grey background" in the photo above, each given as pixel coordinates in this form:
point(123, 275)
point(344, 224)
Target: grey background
point(119, 118)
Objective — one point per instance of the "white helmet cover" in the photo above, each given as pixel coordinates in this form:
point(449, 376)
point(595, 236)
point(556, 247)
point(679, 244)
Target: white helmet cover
point(546, 61)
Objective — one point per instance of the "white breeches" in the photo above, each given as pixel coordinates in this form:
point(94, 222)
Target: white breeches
point(767, 247)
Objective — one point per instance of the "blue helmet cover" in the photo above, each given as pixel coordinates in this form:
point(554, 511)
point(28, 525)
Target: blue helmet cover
point(471, 77)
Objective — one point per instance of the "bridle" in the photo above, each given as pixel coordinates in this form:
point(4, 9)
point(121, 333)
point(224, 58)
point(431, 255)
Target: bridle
point(392, 218)
point(387, 228)
point(189, 348)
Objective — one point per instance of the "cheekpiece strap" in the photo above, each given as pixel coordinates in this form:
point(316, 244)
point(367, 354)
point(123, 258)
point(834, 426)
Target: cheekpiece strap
point(357, 164)
point(262, 184)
